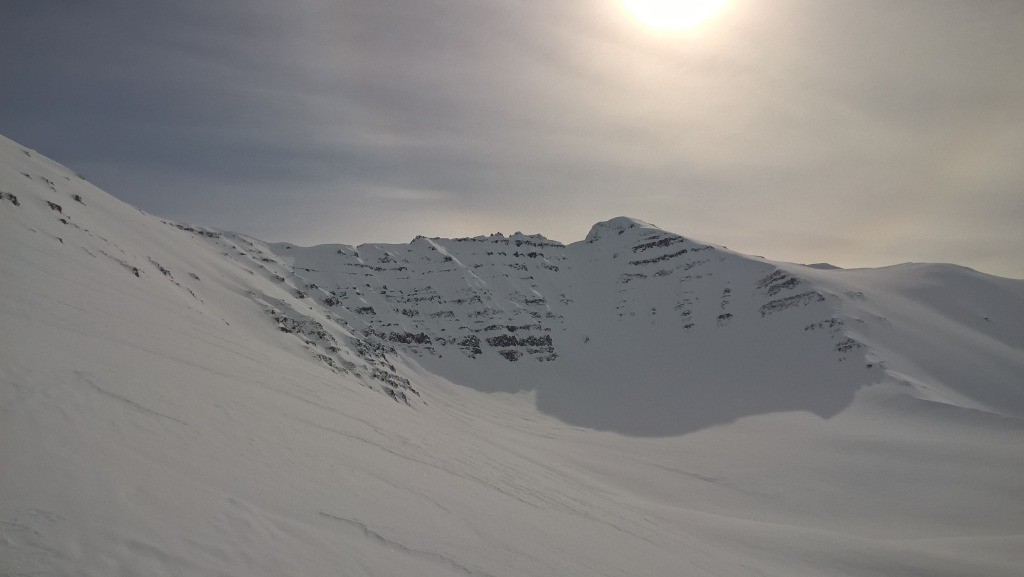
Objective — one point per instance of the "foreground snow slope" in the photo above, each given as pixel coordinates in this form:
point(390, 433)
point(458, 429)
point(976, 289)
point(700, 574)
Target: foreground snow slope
point(183, 401)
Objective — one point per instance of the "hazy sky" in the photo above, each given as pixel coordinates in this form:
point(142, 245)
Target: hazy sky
point(859, 132)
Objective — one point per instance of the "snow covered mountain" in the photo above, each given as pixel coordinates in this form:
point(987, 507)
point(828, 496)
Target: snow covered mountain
point(178, 400)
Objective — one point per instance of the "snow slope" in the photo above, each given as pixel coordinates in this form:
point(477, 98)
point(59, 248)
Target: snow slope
point(183, 401)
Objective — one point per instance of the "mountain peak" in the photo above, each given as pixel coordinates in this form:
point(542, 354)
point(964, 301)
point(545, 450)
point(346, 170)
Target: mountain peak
point(616, 225)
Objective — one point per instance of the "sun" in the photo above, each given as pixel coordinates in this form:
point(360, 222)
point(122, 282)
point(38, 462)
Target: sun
point(674, 14)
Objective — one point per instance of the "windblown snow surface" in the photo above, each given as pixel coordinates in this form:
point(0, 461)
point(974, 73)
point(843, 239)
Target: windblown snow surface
point(182, 401)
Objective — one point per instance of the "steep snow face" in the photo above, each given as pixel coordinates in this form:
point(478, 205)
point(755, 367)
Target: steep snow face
point(951, 333)
point(179, 400)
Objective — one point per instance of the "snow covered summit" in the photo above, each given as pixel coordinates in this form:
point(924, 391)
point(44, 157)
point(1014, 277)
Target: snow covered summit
point(181, 400)
point(617, 225)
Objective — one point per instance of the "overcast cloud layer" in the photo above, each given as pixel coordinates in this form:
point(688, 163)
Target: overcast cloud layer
point(860, 132)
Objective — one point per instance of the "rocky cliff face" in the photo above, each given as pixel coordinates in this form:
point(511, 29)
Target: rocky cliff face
point(525, 299)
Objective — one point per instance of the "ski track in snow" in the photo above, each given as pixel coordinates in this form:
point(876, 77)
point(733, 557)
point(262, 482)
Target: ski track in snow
point(429, 557)
point(126, 401)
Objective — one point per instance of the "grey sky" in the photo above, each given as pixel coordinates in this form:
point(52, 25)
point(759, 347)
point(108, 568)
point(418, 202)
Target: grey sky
point(860, 132)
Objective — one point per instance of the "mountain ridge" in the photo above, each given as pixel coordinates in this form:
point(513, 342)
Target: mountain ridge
point(177, 399)
point(518, 298)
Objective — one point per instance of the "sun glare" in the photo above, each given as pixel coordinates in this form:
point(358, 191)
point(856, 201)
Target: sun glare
point(674, 14)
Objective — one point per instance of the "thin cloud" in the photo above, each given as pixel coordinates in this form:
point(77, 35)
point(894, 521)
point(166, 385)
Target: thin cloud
point(855, 132)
